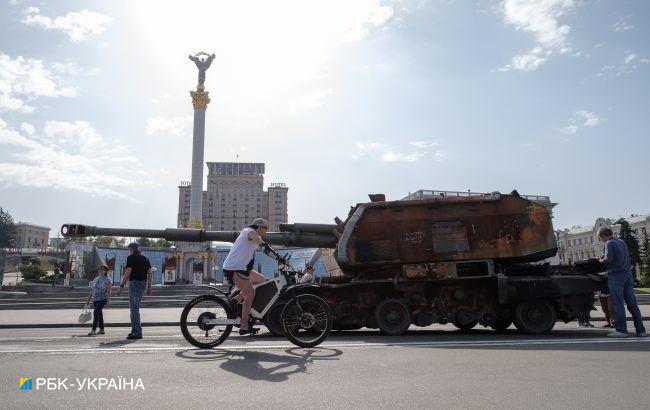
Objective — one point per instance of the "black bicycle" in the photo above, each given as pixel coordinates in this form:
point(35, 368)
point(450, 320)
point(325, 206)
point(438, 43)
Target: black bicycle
point(305, 319)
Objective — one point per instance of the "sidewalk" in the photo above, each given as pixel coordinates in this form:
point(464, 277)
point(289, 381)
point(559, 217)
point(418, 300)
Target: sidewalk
point(120, 317)
point(113, 317)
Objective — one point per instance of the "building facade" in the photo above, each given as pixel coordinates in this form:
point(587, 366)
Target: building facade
point(581, 242)
point(31, 236)
point(235, 196)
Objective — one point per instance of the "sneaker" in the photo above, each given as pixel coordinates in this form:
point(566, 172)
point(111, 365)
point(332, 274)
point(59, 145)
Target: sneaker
point(642, 334)
point(617, 334)
point(92, 333)
point(101, 332)
point(250, 331)
point(131, 336)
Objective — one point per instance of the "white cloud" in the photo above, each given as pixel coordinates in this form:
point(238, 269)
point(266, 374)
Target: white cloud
point(628, 65)
point(569, 129)
point(22, 80)
point(79, 133)
point(629, 58)
point(68, 156)
point(368, 145)
point(27, 128)
point(581, 118)
point(539, 17)
point(78, 25)
point(161, 125)
point(423, 144)
point(589, 118)
point(71, 68)
point(414, 151)
point(390, 156)
point(622, 24)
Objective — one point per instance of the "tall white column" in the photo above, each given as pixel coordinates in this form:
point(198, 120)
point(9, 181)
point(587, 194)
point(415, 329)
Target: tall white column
point(200, 100)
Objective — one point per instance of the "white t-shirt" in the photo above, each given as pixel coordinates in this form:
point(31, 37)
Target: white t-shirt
point(242, 252)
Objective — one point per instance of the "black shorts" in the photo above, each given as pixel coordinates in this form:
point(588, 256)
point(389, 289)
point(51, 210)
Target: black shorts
point(244, 274)
point(228, 274)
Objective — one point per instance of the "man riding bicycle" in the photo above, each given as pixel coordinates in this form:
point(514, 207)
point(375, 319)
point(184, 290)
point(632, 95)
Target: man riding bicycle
point(238, 266)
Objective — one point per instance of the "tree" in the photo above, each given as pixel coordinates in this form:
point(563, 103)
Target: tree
point(645, 260)
point(31, 272)
point(627, 236)
point(144, 242)
point(7, 229)
point(160, 243)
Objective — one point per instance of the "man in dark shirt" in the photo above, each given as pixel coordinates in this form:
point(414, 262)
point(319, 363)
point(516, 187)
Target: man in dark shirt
point(138, 274)
point(620, 282)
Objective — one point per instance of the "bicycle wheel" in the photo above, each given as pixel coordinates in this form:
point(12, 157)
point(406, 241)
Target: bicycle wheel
point(193, 325)
point(306, 320)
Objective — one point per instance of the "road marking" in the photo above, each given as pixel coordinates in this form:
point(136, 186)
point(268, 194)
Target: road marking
point(482, 343)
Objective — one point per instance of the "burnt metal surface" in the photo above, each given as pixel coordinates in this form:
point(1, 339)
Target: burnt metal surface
point(380, 236)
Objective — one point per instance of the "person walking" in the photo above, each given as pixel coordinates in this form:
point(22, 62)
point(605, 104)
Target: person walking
point(620, 283)
point(138, 274)
point(100, 292)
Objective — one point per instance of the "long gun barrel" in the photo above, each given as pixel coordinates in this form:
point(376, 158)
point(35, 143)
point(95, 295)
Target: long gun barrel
point(299, 238)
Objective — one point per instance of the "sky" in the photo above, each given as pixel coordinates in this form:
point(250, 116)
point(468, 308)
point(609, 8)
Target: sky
point(339, 98)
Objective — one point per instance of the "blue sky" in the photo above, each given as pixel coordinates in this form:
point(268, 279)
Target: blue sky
point(338, 98)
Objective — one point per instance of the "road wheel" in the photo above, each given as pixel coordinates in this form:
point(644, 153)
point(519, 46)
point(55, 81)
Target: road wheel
point(465, 327)
point(273, 320)
point(393, 316)
point(535, 317)
point(199, 309)
point(465, 320)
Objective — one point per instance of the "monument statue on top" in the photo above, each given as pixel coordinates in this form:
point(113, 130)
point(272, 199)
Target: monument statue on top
point(202, 64)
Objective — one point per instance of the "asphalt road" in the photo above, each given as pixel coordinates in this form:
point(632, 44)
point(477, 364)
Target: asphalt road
point(433, 368)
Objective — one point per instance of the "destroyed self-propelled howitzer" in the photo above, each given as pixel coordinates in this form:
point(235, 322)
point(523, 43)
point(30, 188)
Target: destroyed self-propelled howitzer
point(466, 260)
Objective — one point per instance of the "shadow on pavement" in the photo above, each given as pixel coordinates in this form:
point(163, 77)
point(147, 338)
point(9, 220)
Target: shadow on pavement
point(254, 365)
point(116, 343)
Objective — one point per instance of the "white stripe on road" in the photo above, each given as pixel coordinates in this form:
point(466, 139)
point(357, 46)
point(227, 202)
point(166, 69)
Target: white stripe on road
point(152, 349)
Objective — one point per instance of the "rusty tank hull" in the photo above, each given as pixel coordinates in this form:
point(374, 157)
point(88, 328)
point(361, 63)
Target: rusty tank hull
point(380, 237)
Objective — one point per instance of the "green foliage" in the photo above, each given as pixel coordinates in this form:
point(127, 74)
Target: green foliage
point(627, 236)
point(31, 272)
point(7, 229)
point(107, 240)
point(144, 242)
point(645, 260)
point(154, 243)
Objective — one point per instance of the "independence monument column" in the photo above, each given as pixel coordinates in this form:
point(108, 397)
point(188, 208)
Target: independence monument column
point(200, 102)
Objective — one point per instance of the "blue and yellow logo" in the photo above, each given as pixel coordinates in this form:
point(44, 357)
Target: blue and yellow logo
point(25, 383)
